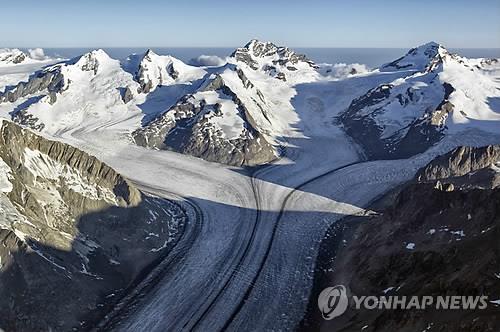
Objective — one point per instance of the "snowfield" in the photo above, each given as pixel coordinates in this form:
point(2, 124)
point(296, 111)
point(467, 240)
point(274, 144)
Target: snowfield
point(249, 264)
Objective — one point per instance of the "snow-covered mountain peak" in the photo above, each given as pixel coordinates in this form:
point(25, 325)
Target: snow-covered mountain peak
point(426, 57)
point(91, 61)
point(261, 49)
point(155, 70)
point(277, 61)
point(256, 49)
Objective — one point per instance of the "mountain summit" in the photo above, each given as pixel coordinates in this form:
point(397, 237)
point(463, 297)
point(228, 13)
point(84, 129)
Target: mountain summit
point(277, 61)
point(422, 58)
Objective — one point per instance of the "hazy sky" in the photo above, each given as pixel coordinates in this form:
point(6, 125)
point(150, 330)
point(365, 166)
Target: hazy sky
point(224, 23)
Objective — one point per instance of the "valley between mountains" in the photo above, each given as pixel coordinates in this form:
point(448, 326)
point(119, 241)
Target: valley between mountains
point(164, 196)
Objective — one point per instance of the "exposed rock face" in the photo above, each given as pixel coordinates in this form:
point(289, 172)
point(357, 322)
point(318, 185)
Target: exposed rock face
point(459, 162)
point(50, 81)
point(67, 225)
point(127, 95)
point(437, 238)
point(213, 124)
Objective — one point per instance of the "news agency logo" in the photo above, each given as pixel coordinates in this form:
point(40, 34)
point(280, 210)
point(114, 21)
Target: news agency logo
point(333, 302)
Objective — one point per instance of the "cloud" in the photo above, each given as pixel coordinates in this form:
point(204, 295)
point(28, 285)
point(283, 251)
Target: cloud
point(37, 54)
point(208, 60)
point(341, 70)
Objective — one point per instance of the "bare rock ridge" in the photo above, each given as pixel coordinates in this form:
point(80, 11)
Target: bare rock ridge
point(67, 225)
point(459, 162)
point(15, 141)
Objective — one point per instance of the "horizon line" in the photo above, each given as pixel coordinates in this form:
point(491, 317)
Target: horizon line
point(234, 47)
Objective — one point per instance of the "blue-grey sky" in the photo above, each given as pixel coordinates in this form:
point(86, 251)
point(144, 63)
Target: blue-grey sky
point(228, 23)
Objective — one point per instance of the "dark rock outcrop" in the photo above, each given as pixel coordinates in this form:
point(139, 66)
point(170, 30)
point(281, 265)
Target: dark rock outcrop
point(459, 162)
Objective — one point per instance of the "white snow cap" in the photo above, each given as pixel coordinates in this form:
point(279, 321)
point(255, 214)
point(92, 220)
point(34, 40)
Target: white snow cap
point(419, 58)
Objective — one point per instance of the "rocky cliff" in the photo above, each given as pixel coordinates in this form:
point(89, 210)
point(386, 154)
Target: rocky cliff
point(74, 234)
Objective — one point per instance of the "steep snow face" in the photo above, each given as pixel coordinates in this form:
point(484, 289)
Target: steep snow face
point(441, 93)
point(94, 90)
point(277, 61)
point(155, 70)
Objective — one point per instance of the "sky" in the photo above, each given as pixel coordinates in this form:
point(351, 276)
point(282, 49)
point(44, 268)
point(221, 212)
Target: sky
point(224, 23)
